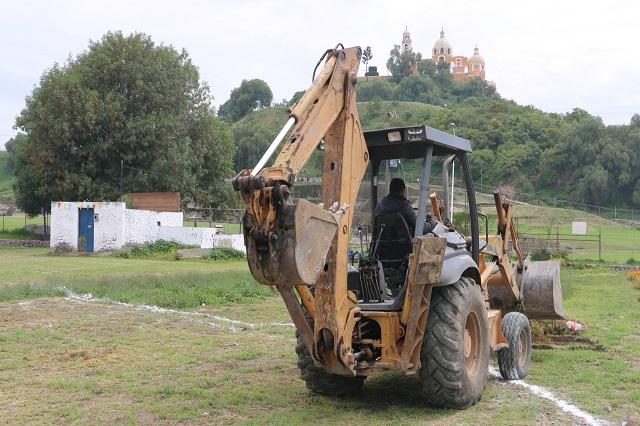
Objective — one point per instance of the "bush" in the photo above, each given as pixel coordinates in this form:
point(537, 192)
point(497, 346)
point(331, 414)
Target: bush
point(158, 248)
point(226, 253)
point(632, 261)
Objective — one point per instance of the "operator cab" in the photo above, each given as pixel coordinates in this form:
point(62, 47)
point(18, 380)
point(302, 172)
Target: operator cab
point(380, 279)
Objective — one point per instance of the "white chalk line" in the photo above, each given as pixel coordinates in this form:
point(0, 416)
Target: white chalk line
point(546, 394)
point(236, 325)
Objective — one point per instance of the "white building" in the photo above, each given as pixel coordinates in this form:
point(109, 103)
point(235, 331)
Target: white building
point(99, 226)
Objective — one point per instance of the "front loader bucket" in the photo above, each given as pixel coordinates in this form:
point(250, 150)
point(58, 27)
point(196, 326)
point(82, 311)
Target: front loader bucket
point(296, 250)
point(541, 290)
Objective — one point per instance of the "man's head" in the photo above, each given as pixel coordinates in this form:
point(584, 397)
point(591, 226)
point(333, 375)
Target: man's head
point(397, 187)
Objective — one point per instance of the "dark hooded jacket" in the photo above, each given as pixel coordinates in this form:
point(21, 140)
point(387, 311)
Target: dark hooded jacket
point(394, 203)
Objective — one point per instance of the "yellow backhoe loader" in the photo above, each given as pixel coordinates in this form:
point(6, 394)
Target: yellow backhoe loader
point(434, 303)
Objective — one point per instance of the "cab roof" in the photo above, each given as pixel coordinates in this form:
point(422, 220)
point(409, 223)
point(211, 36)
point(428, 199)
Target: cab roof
point(410, 142)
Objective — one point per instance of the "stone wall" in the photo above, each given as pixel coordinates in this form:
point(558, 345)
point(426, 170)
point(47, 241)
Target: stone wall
point(24, 243)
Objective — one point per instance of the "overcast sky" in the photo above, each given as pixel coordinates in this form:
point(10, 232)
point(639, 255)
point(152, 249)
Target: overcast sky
point(555, 55)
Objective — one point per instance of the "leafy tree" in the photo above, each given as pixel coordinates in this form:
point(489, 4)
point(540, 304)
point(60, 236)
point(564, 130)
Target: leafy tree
point(427, 67)
point(295, 98)
point(252, 94)
point(375, 89)
point(254, 133)
point(594, 185)
point(124, 101)
point(367, 55)
point(10, 146)
point(402, 64)
point(636, 195)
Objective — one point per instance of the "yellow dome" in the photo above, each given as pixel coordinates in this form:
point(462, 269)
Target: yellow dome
point(442, 46)
point(476, 59)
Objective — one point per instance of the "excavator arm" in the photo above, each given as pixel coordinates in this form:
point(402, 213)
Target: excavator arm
point(304, 245)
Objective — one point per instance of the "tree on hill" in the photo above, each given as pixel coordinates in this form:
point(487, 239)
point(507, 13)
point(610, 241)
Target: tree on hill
point(124, 102)
point(367, 55)
point(403, 64)
point(252, 94)
point(295, 98)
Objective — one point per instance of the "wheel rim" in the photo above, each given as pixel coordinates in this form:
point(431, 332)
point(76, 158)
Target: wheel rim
point(472, 343)
point(522, 349)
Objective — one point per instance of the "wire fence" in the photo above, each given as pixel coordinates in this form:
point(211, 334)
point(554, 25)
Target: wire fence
point(614, 213)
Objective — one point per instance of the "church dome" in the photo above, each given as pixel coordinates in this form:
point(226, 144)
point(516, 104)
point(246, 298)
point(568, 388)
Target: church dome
point(442, 46)
point(476, 59)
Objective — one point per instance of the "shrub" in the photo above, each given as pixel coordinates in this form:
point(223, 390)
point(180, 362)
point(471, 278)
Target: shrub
point(158, 248)
point(226, 253)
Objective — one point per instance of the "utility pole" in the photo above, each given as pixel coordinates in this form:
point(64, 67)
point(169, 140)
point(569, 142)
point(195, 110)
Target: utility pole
point(121, 170)
point(600, 244)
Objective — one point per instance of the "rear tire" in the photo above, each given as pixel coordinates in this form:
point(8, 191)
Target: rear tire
point(455, 350)
point(317, 379)
point(514, 361)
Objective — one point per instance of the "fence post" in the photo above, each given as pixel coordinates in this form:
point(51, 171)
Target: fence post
point(557, 240)
point(615, 212)
point(25, 221)
point(599, 244)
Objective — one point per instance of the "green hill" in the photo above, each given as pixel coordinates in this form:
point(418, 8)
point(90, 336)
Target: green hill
point(572, 156)
point(6, 178)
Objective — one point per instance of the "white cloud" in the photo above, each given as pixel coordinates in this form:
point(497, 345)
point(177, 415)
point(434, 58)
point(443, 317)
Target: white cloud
point(554, 55)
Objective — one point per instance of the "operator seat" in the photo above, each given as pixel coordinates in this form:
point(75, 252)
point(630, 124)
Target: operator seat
point(391, 245)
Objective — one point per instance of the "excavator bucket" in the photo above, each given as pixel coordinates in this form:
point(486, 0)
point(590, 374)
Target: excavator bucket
point(296, 251)
point(541, 290)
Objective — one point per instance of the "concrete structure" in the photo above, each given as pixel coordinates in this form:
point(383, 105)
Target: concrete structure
point(202, 237)
point(235, 241)
point(100, 226)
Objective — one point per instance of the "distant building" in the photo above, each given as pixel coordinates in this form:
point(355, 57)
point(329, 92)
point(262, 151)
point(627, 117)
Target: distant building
point(406, 41)
point(105, 226)
point(462, 67)
point(441, 50)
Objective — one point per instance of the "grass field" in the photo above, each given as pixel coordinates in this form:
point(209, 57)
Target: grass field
point(619, 244)
point(79, 361)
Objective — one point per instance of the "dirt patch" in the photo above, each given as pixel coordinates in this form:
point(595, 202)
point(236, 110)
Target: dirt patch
point(569, 342)
point(556, 335)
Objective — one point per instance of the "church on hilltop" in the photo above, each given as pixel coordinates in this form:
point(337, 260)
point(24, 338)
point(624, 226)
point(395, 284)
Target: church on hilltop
point(462, 67)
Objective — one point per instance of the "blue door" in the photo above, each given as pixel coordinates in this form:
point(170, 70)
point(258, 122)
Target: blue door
point(85, 230)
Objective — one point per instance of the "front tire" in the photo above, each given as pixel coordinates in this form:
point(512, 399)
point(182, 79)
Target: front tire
point(317, 379)
point(455, 350)
point(514, 361)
